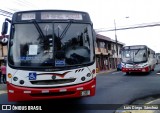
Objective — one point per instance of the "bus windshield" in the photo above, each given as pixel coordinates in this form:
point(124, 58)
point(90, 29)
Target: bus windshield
point(51, 44)
point(134, 55)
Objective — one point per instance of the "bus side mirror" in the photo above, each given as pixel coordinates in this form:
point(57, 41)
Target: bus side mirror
point(4, 28)
point(4, 41)
point(148, 52)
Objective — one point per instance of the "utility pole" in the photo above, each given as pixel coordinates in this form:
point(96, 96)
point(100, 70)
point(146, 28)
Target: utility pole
point(116, 41)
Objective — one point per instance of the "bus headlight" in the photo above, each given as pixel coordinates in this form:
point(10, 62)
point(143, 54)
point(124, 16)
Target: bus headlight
point(83, 78)
point(145, 65)
point(15, 78)
point(88, 75)
point(21, 82)
point(93, 71)
point(9, 75)
point(143, 70)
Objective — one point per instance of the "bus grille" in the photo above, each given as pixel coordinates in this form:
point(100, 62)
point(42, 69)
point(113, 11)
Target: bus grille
point(53, 94)
point(52, 82)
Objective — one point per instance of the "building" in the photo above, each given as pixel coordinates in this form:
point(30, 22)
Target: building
point(106, 55)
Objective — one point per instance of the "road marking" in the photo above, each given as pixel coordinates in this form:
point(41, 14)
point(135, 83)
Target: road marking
point(158, 73)
point(3, 91)
point(116, 72)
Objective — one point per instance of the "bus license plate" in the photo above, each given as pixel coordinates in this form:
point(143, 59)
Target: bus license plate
point(85, 93)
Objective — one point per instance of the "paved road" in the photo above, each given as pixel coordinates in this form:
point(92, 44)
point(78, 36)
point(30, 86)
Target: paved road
point(113, 88)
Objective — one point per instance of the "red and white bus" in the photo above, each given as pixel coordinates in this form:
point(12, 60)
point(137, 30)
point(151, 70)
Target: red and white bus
point(50, 55)
point(138, 58)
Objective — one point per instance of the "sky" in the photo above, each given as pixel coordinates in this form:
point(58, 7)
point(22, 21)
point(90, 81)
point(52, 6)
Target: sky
point(103, 13)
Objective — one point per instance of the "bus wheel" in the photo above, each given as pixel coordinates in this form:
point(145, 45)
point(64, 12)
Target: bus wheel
point(127, 73)
point(150, 69)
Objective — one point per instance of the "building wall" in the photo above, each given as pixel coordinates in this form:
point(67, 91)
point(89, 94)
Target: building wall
point(106, 55)
point(5, 50)
point(1, 50)
point(3, 54)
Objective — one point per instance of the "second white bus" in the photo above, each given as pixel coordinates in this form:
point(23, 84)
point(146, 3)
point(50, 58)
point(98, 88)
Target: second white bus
point(158, 58)
point(138, 58)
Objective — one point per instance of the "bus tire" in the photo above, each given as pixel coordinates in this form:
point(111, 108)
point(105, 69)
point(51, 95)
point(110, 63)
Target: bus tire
point(150, 69)
point(153, 67)
point(127, 73)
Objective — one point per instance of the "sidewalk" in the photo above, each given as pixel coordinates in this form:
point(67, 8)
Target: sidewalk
point(107, 71)
point(3, 88)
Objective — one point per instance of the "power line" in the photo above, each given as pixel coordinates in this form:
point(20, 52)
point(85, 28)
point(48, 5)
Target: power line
point(5, 12)
point(21, 3)
point(5, 15)
point(15, 10)
point(25, 3)
point(29, 3)
point(153, 24)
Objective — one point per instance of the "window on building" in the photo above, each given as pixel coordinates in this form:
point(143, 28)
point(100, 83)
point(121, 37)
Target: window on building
point(106, 45)
point(102, 44)
point(109, 46)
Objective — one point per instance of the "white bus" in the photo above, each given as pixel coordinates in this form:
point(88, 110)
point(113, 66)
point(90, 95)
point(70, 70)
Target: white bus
point(138, 58)
point(50, 55)
point(158, 58)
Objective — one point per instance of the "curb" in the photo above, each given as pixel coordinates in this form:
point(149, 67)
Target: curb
point(3, 91)
point(106, 72)
point(156, 101)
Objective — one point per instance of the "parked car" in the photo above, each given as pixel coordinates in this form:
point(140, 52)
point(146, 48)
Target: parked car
point(119, 67)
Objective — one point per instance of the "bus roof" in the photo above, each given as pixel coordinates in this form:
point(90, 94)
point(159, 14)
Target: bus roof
point(51, 15)
point(138, 46)
point(51, 10)
point(134, 46)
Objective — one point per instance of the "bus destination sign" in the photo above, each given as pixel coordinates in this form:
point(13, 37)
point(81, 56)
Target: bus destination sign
point(60, 15)
point(28, 16)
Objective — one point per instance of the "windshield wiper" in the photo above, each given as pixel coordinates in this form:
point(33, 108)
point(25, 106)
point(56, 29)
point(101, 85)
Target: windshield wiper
point(43, 39)
point(66, 29)
point(38, 29)
point(137, 51)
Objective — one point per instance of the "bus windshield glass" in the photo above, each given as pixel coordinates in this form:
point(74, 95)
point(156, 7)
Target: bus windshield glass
point(51, 44)
point(134, 55)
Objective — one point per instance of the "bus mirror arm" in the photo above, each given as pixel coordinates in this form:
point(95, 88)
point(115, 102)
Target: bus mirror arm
point(7, 19)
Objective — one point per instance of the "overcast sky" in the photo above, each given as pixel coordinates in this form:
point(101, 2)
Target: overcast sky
point(103, 13)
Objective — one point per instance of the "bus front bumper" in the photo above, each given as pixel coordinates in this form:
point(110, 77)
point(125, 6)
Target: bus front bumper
point(145, 69)
point(17, 93)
